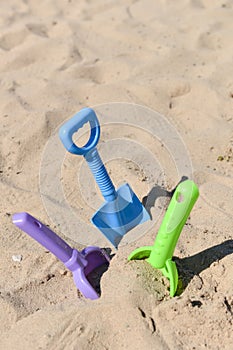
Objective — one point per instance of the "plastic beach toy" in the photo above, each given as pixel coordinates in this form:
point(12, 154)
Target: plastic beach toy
point(122, 210)
point(160, 254)
point(80, 263)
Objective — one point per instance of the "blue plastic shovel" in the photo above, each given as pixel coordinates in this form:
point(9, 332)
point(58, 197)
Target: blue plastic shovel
point(122, 210)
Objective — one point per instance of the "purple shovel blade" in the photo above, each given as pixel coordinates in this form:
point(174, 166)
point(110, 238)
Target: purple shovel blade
point(81, 264)
point(96, 257)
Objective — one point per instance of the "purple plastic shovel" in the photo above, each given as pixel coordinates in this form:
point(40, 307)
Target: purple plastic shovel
point(79, 263)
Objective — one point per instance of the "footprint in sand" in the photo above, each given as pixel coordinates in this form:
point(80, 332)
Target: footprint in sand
point(37, 29)
point(219, 196)
point(179, 88)
point(98, 72)
point(73, 57)
point(10, 40)
point(216, 191)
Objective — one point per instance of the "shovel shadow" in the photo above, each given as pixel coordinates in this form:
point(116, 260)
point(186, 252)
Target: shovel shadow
point(95, 276)
point(194, 265)
point(158, 191)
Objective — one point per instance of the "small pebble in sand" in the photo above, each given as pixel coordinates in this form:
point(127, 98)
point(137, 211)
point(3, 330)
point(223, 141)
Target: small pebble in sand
point(17, 258)
point(62, 272)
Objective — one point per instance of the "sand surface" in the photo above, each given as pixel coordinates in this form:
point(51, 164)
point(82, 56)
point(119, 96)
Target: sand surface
point(174, 57)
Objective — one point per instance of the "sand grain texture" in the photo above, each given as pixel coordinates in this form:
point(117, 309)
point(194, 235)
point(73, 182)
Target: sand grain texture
point(172, 56)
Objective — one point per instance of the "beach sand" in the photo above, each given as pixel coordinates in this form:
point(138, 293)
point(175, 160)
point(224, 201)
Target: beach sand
point(173, 57)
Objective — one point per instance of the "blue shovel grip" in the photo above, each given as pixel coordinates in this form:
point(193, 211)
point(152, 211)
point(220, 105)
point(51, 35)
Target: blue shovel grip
point(73, 125)
point(89, 151)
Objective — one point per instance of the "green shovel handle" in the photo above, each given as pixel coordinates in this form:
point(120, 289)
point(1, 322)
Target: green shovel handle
point(175, 217)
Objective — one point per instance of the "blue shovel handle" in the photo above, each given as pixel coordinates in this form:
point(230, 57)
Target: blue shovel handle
point(73, 125)
point(89, 150)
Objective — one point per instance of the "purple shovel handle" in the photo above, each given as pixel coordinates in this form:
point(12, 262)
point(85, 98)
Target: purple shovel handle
point(46, 237)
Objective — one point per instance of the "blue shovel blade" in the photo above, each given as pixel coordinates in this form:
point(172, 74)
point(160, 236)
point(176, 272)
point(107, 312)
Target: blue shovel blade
point(114, 219)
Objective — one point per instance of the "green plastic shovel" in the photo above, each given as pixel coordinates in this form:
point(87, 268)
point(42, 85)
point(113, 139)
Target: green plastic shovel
point(160, 254)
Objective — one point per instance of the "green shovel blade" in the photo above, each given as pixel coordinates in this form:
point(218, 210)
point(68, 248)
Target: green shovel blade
point(140, 253)
point(170, 271)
